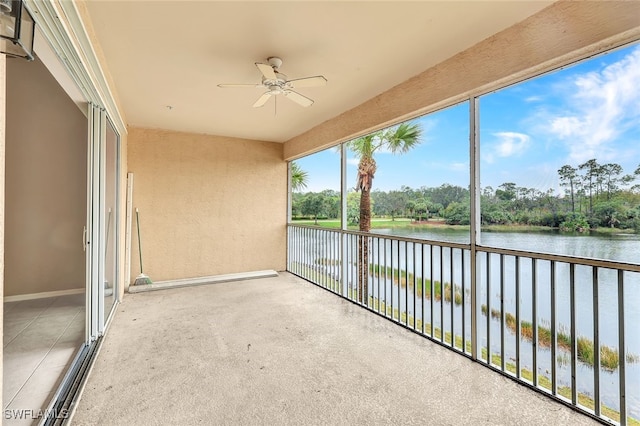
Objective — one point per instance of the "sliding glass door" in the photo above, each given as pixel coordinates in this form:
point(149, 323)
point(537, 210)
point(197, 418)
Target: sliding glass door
point(102, 223)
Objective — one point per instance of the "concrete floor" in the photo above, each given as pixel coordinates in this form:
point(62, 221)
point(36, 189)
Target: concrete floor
point(283, 351)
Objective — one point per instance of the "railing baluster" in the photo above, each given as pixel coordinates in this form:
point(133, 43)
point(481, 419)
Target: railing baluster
point(622, 351)
point(310, 254)
point(464, 301)
point(574, 349)
point(518, 331)
point(406, 283)
point(301, 247)
point(534, 320)
point(354, 268)
point(431, 288)
point(316, 255)
point(334, 260)
point(327, 260)
point(386, 278)
point(399, 285)
point(502, 314)
point(323, 259)
point(365, 284)
point(379, 272)
point(442, 331)
point(554, 331)
point(489, 308)
point(596, 341)
point(393, 271)
point(422, 285)
point(415, 283)
point(338, 261)
point(453, 299)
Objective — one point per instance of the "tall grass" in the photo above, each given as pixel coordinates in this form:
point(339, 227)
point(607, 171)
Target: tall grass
point(609, 357)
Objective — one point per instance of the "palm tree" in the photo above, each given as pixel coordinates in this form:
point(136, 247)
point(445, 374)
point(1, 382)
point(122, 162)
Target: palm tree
point(397, 140)
point(298, 177)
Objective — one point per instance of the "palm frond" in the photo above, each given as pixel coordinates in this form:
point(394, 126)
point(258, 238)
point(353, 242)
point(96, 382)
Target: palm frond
point(299, 177)
point(403, 137)
point(364, 146)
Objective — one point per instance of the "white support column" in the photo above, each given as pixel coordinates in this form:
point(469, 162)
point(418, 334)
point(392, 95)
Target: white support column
point(474, 189)
point(289, 215)
point(127, 236)
point(289, 192)
point(343, 217)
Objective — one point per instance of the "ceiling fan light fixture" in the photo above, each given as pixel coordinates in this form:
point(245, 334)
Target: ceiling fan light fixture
point(277, 83)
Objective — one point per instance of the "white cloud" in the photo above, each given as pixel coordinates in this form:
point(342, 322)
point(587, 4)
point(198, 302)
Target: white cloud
point(603, 105)
point(353, 161)
point(459, 167)
point(533, 99)
point(511, 144)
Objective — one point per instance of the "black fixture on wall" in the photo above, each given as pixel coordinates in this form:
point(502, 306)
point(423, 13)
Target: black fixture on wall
point(17, 29)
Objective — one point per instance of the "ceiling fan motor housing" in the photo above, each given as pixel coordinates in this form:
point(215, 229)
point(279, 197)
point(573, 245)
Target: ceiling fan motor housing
point(275, 62)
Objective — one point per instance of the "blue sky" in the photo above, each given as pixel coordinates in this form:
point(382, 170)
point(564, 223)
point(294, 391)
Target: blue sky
point(527, 132)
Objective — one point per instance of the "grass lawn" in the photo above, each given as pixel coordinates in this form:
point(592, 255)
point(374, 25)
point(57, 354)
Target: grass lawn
point(383, 223)
point(406, 223)
point(403, 222)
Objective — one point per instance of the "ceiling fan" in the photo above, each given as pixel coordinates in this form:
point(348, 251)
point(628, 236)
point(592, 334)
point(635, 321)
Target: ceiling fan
point(277, 83)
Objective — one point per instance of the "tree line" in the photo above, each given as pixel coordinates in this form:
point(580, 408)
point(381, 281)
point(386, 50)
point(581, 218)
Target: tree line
point(595, 195)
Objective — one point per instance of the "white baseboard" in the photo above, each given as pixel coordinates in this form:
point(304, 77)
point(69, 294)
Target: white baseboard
point(31, 296)
point(159, 285)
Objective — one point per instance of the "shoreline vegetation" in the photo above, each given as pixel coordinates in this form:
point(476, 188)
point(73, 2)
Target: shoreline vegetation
point(609, 357)
point(395, 315)
point(405, 223)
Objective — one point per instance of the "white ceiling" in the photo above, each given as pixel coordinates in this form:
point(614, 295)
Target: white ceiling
point(175, 53)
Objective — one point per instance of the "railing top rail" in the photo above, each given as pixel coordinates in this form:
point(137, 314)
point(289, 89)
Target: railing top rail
point(318, 227)
point(387, 236)
point(586, 261)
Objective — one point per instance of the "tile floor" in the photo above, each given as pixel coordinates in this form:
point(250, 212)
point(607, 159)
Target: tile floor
point(41, 338)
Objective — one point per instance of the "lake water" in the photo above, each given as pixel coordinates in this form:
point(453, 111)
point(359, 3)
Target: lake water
point(435, 264)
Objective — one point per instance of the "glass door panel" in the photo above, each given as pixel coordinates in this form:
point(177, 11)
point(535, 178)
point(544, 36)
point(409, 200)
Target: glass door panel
point(102, 226)
point(111, 222)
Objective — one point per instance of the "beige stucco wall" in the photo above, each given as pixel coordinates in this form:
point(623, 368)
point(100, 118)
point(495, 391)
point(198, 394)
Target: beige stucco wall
point(208, 205)
point(46, 158)
point(560, 34)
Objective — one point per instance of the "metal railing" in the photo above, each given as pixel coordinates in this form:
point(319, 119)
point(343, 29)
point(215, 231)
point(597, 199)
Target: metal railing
point(554, 323)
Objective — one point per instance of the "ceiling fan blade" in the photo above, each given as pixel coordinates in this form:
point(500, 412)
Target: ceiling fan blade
point(239, 85)
point(266, 70)
point(298, 98)
point(317, 80)
point(262, 100)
